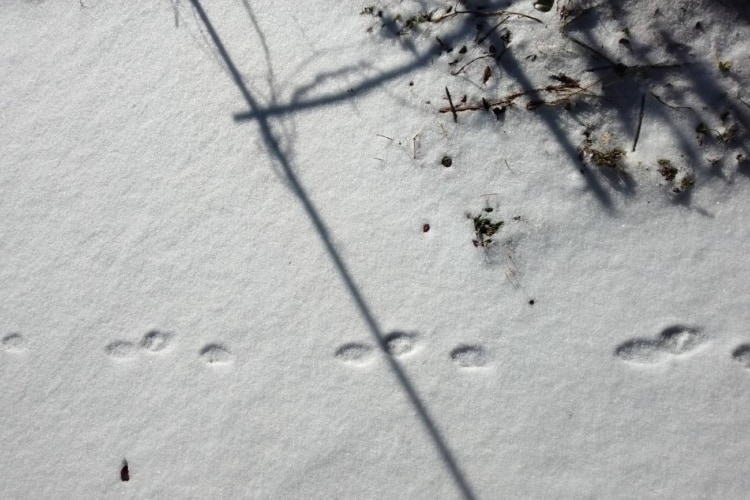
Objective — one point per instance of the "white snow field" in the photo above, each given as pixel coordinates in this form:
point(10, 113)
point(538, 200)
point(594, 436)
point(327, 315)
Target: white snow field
point(253, 250)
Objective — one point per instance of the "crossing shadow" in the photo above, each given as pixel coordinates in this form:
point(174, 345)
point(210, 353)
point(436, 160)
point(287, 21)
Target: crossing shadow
point(263, 118)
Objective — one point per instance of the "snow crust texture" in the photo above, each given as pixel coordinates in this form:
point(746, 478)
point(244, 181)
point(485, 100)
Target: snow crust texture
point(381, 249)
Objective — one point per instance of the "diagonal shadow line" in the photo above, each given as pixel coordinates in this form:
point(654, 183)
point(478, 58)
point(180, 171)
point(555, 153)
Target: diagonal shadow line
point(704, 87)
point(510, 66)
point(707, 85)
point(274, 148)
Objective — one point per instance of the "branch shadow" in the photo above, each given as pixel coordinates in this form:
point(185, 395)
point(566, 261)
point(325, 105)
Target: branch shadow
point(630, 70)
point(511, 66)
point(263, 118)
point(628, 88)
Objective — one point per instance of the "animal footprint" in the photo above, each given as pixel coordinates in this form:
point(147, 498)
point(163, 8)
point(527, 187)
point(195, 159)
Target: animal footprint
point(156, 341)
point(400, 343)
point(742, 355)
point(643, 351)
point(676, 340)
point(469, 356)
point(680, 339)
point(13, 343)
point(216, 354)
point(354, 353)
point(120, 349)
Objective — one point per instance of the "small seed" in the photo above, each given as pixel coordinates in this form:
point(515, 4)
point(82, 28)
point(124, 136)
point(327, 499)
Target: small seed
point(447, 161)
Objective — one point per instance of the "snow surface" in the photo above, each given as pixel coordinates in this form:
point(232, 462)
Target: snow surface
point(231, 254)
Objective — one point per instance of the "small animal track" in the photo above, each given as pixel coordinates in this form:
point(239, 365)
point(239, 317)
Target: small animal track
point(395, 344)
point(400, 343)
point(121, 349)
point(643, 351)
point(680, 339)
point(676, 340)
point(14, 342)
point(469, 356)
point(215, 354)
point(156, 341)
point(742, 355)
point(354, 353)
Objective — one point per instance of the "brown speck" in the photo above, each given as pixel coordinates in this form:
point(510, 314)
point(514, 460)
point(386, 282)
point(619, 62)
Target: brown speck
point(446, 161)
point(124, 472)
point(425, 228)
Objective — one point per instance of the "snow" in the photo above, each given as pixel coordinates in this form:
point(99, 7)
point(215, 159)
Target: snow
point(232, 256)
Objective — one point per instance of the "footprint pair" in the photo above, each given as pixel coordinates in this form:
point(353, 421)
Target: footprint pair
point(401, 343)
point(676, 340)
point(673, 341)
point(153, 342)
